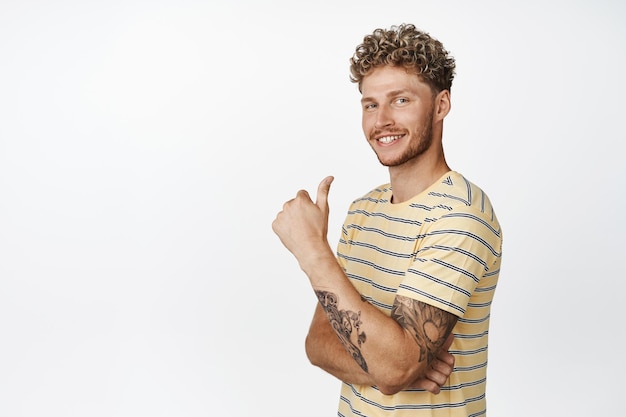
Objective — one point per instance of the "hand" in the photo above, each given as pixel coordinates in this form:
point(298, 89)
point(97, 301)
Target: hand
point(440, 369)
point(302, 225)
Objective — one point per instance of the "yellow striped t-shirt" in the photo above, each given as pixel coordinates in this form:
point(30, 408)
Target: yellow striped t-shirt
point(442, 247)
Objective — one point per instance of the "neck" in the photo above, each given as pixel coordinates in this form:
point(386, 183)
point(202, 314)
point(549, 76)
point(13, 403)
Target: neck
point(413, 177)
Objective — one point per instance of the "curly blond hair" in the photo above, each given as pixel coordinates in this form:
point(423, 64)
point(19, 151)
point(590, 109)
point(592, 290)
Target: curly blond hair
point(406, 46)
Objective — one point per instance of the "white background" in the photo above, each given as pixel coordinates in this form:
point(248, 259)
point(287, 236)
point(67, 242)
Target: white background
point(146, 146)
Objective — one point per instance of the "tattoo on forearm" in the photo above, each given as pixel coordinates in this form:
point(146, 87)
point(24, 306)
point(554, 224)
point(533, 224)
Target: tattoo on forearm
point(429, 325)
point(347, 325)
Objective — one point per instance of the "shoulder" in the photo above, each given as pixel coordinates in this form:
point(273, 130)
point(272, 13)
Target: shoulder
point(460, 195)
point(468, 211)
point(380, 194)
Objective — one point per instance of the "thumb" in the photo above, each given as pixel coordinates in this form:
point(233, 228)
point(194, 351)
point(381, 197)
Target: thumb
point(322, 193)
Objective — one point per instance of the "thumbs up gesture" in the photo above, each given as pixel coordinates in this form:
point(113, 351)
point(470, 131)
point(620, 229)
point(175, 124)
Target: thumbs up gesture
point(302, 225)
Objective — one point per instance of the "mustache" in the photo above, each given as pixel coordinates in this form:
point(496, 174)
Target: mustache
point(385, 132)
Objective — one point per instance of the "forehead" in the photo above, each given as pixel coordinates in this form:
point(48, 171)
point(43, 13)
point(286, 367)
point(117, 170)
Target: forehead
point(386, 79)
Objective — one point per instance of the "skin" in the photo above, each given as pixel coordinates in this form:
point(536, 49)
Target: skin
point(348, 337)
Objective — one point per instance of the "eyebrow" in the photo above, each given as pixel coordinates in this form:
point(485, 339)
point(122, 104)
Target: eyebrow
point(393, 93)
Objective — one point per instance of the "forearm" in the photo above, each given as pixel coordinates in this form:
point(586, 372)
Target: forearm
point(325, 350)
point(386, 353)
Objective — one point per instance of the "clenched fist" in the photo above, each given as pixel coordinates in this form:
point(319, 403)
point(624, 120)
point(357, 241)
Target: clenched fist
point(302, 225)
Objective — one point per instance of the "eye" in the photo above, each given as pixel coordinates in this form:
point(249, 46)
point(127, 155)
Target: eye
point(369, 106)
point(402, 100)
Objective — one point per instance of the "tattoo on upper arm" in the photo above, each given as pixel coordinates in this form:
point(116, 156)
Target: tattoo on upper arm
point(347, 325)
point(429, 325)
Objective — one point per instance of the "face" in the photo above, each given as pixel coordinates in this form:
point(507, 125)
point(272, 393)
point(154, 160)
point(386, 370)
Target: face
point(397, 115)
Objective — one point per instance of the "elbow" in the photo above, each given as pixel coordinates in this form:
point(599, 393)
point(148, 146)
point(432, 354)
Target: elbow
point(311, 351)
point(389, 389)
point(396, 380)
point(392, 386)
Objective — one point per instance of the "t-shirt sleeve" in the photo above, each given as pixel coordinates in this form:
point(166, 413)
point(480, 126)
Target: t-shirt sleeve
point(454, 253)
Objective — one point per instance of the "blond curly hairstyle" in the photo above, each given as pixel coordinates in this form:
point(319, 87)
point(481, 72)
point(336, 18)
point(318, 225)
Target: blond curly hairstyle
point(406, 46)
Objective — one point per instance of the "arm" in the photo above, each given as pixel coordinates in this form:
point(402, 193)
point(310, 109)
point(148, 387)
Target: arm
point(325, 350)
point(392, 352)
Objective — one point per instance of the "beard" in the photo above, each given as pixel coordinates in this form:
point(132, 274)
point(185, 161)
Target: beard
point(418, 145)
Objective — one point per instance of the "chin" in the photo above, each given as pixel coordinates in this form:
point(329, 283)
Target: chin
point(390, 163)
point(388, 160)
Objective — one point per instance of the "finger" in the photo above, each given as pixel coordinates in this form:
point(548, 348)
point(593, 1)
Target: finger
point(431, 387)
point(322, 193)
point(426, 384)
point(446, 345)
point(286, 205)
point(277, 224)
point(443, 367)
point(438, 374)
point(303, 194)
point(446, 357)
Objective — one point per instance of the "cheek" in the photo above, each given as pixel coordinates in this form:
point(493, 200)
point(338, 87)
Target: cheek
point(366, 123)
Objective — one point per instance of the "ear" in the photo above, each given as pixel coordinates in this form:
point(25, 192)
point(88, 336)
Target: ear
point(442, 105)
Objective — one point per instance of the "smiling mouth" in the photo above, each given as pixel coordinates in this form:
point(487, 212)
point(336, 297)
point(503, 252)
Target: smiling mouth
point(389, 139)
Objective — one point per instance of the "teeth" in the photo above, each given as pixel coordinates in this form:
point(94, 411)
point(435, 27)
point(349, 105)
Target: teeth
point(388, 139)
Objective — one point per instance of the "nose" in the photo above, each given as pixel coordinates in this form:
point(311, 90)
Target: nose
point(383, 117)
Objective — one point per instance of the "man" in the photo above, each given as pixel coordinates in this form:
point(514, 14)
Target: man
point(419, 257)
